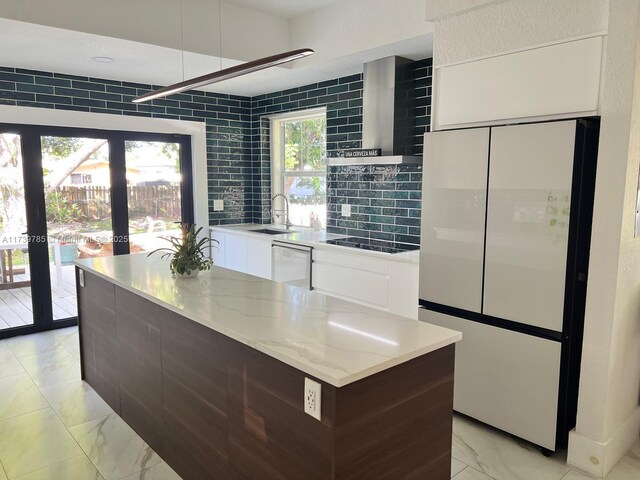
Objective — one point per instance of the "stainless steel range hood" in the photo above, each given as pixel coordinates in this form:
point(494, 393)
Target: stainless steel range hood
point(388, 113)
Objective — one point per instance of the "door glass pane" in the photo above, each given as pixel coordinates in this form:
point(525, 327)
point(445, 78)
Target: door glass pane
point(153, 186)
point(15, 280)
point(77, 186)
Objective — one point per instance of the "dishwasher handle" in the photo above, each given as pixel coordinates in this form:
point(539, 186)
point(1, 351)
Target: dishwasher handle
point(293, 246)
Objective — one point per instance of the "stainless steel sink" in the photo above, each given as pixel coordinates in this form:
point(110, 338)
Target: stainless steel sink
point(271, 231)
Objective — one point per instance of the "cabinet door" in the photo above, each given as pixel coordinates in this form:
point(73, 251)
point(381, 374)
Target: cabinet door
point(259, 257)
point(235, 252)
point(453, 217)
point(528, 222)
point(217, 247)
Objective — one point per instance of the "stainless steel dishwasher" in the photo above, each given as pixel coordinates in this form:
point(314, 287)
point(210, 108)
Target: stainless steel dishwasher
point(291, 263)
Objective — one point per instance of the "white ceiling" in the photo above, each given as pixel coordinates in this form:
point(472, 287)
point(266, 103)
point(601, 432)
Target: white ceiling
point(46, 48)
point(284, 8)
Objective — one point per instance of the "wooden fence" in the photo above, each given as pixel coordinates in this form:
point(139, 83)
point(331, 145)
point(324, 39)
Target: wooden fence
point(154, 201)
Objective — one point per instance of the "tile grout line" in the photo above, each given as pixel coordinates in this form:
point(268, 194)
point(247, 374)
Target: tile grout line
point(62, 422)
point(53, 409)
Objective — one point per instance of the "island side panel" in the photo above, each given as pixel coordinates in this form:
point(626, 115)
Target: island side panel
point(140, 378)
point(397, 424)
point(270, 436)
point(194, 365)
point(97, 326)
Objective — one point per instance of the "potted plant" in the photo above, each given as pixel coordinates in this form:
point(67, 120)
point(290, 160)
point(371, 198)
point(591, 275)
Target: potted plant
point(188, 255)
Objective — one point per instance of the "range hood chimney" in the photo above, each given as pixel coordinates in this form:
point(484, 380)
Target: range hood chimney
point(388, 113)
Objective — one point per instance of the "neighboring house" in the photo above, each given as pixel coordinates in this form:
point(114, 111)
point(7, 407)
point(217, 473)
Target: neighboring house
point(96, 173)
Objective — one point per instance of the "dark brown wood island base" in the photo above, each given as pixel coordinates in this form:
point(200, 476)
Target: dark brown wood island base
point(215, 408)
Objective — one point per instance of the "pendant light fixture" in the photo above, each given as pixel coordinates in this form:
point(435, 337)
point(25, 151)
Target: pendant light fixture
point(222, 74)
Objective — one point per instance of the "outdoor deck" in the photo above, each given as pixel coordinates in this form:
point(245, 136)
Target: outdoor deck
point(15, 303)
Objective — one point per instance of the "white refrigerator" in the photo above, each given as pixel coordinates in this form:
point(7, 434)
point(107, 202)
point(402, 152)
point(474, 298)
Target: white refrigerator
point(506, 224)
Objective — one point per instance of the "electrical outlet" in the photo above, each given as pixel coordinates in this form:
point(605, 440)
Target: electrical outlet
point(218, 205)
point(81, 277)
point(346, 210)
point(312, 398)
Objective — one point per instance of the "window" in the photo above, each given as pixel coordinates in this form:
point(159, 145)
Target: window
point(298, 165)
point(80, 179)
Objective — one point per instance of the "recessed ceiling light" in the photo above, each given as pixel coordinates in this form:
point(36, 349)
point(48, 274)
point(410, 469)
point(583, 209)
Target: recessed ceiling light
point(103, 59)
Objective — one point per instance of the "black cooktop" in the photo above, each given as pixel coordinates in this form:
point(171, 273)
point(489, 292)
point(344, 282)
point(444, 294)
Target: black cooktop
point(373, 244)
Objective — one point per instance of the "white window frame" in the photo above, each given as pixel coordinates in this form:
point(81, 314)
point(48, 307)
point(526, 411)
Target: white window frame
point(277, 143)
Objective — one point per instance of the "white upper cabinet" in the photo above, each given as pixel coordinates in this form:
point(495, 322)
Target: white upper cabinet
point(528, 222)
point(553, 81)
point(453, 217)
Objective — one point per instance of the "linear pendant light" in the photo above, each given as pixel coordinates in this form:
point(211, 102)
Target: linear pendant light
point(227, 73)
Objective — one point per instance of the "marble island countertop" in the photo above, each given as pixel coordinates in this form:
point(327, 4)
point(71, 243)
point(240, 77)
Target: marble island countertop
point(309, 237)
point(334, 340)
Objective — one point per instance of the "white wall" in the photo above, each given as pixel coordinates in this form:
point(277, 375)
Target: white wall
point(62, 118)
point(351, 26)
point(608, 413)
point(514, 25)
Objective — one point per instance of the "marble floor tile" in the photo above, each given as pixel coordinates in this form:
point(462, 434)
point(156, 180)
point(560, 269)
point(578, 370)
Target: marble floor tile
point(471, 474)
point(78, 468)
point(456, 466)
point(34, 441)
point(72, 343)
point(61, 334)
point(51, 367)
point(162, 471)
point(25, 345)
point(114, 448)
point(9, 364)
point(19, 395)
point(501, 456)
point(75, 402)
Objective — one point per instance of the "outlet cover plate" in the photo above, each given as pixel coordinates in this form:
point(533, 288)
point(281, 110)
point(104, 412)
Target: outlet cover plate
point(312, 398)
point(346, 210)
point(218, 205)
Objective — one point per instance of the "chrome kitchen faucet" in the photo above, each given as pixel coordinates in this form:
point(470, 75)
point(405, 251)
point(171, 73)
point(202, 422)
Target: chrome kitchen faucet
point(275, 214)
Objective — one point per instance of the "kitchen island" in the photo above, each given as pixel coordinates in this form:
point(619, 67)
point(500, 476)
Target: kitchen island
point(211, 371)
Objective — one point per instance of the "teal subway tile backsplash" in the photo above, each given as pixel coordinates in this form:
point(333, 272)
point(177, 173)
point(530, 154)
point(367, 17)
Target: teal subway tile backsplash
point(227, 120)
point(385, 199)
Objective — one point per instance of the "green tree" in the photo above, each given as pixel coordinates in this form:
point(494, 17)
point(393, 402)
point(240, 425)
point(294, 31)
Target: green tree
point(69, 151)
point(305, 150)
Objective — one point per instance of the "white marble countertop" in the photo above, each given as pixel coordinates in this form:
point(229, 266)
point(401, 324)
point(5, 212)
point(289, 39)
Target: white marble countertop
point(336, 341)
point(309, 237)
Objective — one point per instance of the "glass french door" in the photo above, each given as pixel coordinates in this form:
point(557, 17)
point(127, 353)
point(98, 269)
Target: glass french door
point(68, 194)
point(77, 191)
point(16, 309)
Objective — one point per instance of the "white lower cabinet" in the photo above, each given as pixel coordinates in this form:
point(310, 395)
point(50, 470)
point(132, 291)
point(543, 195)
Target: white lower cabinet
point(235, 252)
point(217, 247)
point(259, 257)
point(384, 284)
point(241, 253)
point(378, 282)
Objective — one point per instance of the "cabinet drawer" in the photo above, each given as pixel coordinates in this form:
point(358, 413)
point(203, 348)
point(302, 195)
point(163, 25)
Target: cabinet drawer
point(360, 262)
point(507, 379)
point(359, 285)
